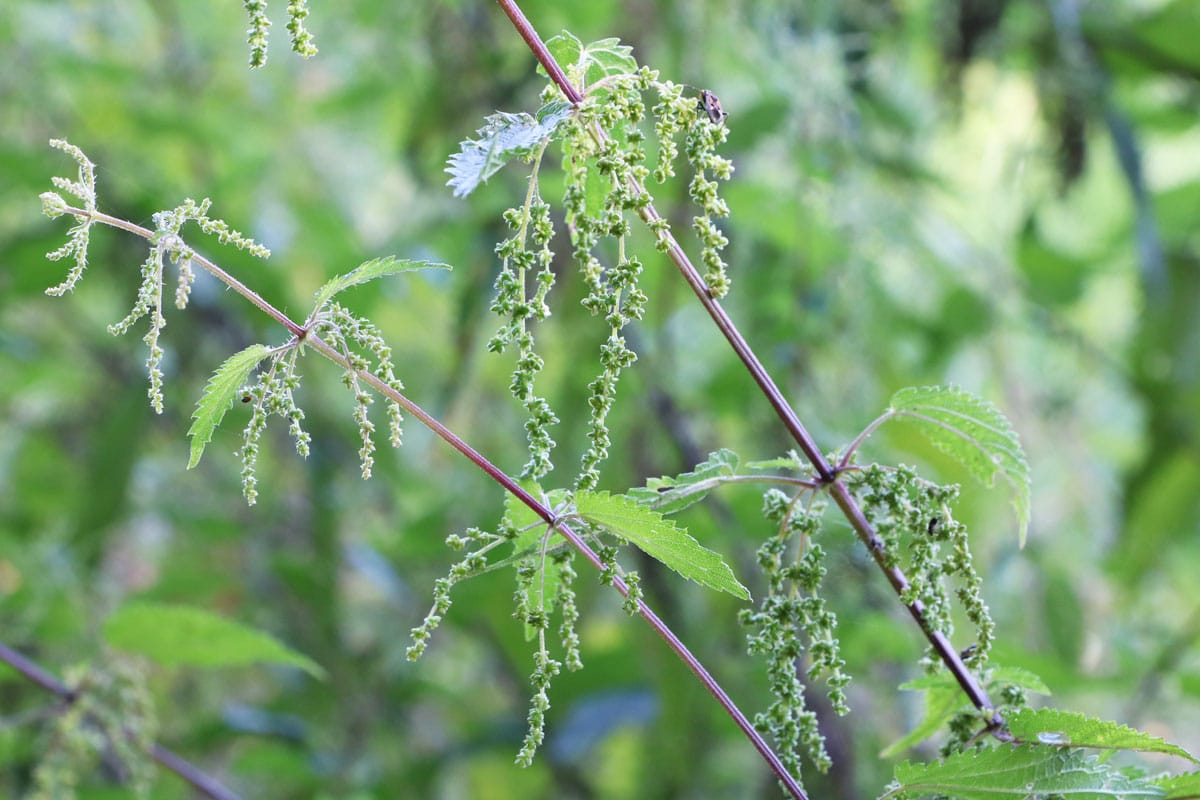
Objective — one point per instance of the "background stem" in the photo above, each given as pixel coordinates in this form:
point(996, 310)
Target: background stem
point(34, 673)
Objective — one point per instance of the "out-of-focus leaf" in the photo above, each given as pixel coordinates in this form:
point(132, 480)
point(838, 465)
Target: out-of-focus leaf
point(1164, 509)
point(174, 635)
point(942, 702)
point(1170, 32)
point(1063, 614)
point(1053, 277)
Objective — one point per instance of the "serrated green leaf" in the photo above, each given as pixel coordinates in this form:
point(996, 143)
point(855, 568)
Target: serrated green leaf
point(1019, 773)
point(368, 271)
point(1180, 787)
point(502, 138)
point(593, 62)
point(974, 433)
point(173, 635)
point(218, 396)
point(668, 495)
point(659, 538)
point(1052, 726)
point(566, 48)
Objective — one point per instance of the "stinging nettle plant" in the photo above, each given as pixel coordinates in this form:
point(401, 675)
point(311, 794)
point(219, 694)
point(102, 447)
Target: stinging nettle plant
point(614, 128)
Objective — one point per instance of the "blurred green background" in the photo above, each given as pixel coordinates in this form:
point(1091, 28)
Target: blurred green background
point(1004, 194)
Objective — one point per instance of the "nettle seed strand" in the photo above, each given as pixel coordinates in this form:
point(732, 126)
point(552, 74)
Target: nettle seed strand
point(791, 622)
point(531, 224)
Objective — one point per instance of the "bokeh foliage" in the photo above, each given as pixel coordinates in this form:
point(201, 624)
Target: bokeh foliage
point(1001, 194)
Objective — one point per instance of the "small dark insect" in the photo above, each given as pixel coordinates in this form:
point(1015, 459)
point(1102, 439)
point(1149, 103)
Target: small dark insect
point(245, 398)
point(968, 651)
point(711, 105)
point(933, 522)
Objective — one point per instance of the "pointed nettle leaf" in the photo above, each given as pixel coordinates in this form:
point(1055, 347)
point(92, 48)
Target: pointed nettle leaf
point(502, 138)
point(659, 538)
point(1020, 772)
point(1054, 727)
point(973, 432)
point(173, 635)
point(219, 394)
point(592, 62)
point(368, 271)
point(1180, 787)
point(668, 495)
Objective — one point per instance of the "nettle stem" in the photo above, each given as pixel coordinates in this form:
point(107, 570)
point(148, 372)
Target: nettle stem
point(34, 673)
point(826, 472)
point(510, 485)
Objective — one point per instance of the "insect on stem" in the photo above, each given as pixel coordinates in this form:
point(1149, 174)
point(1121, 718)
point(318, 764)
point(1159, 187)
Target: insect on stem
point(711, 105)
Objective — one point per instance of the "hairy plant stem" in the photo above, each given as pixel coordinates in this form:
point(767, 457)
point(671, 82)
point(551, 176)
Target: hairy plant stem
point(307, 338)
point(827, 474)
point(34, 673)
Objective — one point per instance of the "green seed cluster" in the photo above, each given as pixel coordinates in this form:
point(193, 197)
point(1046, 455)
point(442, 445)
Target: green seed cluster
point(601, 181)
point(257, 35)
point(913, 518)
point(272, 394)
point(568, 609)
point(472, 564)
point(604, 162)
point(168, 242)
point(530, 225)
point(54, 206)
point(703, 138)
point(545, 668)
point(302, 41)
point(792, 623)
point(355, 336)
point(673, 113)
point(149, 299)
point(362, 346)
point(110, 716)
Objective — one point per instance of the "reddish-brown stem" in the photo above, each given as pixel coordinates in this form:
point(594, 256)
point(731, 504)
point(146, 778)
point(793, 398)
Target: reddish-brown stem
point(582, 547)
point(841, 495)
point(36, 674)
point(523, 26)
point(310, 339)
